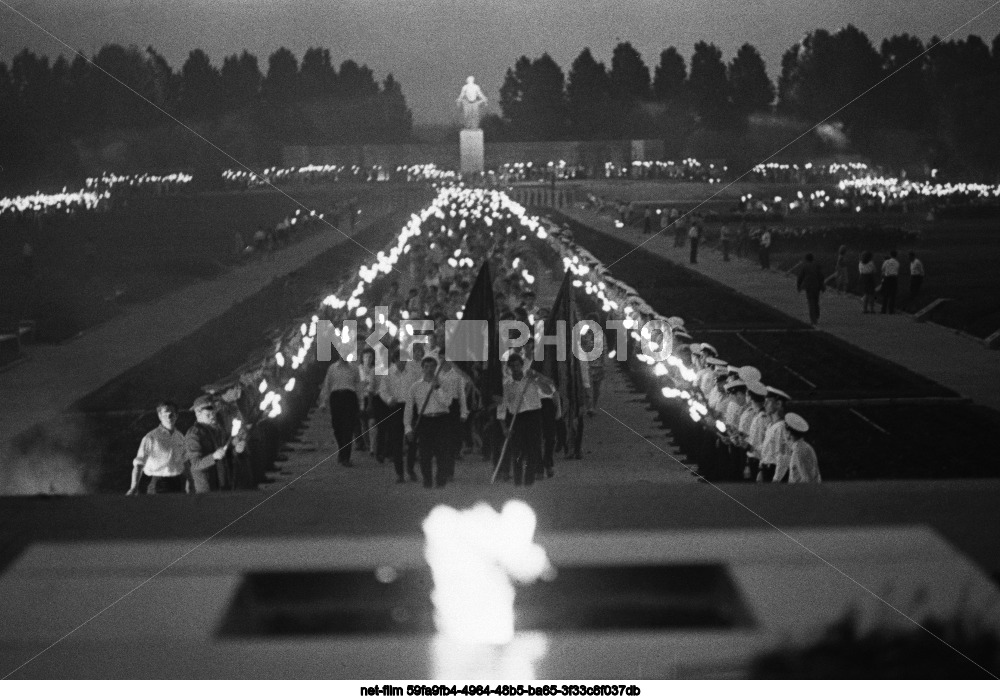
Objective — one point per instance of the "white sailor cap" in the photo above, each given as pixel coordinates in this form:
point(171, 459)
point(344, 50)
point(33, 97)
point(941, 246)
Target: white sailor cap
point(796, 422)
point(715, 361)
point(709, 348)
point(756, 387)
point(749, 374)
point(777, 393)
point(734, 384)
point(733, 369)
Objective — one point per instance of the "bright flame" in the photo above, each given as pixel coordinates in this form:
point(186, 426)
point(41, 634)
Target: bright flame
point(475, 557)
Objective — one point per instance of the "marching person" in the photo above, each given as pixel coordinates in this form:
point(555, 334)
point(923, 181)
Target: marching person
point(340, 396)
point(393, 391)
point(802, 465)
point(206, 448)
point(426, 421)
point(522, 400)
point(161, 464)
point(453, 382)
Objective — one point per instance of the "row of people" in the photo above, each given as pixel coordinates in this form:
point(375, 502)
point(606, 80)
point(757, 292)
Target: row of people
point(748, 432)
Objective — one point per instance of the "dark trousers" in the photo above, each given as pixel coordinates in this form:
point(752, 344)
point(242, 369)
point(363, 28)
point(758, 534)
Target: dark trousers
point(577, 446)
point(390, 432)
point(526, 446)
point(694, 250)
point(161, 484)
point(889, 287)
point(725, 250)
point(753, 466)
point(765, 258)
point(548, 433)
point(767, 472)
point(380, 411)
point(435, 446)
point(916, 282)
point(812, 298)
point(344, 420)
point(205, 480)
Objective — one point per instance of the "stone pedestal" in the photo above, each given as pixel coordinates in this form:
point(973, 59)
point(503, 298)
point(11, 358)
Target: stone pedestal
point(471, 145)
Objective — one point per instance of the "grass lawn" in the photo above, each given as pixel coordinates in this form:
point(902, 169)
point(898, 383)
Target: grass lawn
point(867, 442)
point(958, 255)
point(90, 448)
point(90, 268)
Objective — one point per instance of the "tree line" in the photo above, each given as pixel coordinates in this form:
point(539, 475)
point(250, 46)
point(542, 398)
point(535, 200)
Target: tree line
point(46, 105)
point(948, 96)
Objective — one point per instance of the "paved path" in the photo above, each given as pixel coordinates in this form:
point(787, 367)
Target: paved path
point(56, 376)
point(623, 444)
point(940, 354)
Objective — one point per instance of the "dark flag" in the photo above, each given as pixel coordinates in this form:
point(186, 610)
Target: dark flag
point(566, 373)
point(481, 306)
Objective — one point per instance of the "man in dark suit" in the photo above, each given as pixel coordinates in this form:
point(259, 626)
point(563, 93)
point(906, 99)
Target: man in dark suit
point(811, 281)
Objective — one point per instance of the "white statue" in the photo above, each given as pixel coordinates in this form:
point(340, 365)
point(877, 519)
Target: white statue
point(470, 100)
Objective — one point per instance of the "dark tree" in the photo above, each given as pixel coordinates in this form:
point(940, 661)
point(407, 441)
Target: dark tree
point(903, 98)
point(670, 75)
point(629, 75)
point(787, 79)
point(749, 87)
point(588, 93)
point(356, 82)
point(201, 86)
point(398, 119)
point(165, 84)
point(317, 76)
point(512, 97)
point(122, 88)
point(280, 87)
point(241, 80)
point(545, 111)
point(708, 86)
point(831, 75)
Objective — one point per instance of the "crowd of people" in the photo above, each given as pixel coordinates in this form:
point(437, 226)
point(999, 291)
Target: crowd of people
point(426, 413)
point(429, 412)
point(99, 195)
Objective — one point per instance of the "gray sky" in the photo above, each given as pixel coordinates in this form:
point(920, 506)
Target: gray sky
point(432, 45)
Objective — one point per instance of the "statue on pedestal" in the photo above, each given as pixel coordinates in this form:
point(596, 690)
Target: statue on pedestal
point(470, 100)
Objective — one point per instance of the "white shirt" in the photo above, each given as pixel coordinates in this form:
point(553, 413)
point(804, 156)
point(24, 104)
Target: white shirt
point(774, 442)
point(747, 417)
point(765, 239)
point(453, 381)
point(342, 376)
point(916, 268)
point(162, 453)
point(393, 387)
point(705, 380)
point(521, 396)
point(803, 465)
point(890, 268)
point(437, 404)
point(732, 415)
point(758, 430)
